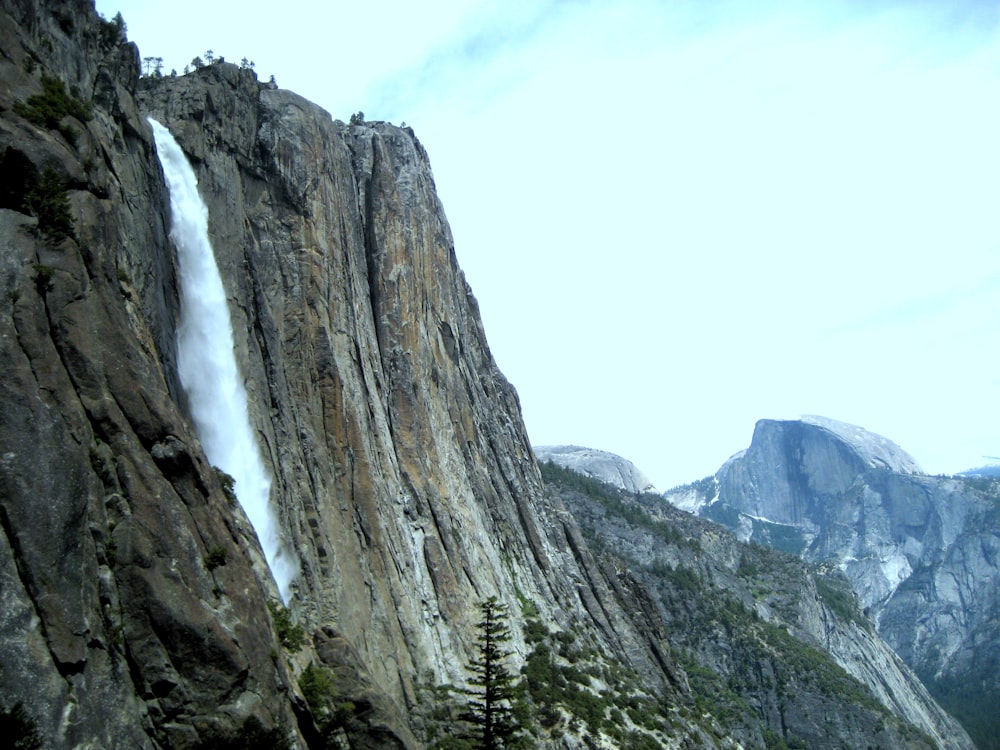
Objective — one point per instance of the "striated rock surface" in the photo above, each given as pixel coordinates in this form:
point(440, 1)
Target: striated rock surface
point(113, 630)
point(921, 552)
point(601, 465)
point(403, 471)
point(133, 599)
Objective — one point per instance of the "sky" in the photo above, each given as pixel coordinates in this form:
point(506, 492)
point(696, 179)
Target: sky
point(681, 217)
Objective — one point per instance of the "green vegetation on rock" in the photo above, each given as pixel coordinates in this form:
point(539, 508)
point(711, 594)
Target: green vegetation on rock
point(330, 711)
point(53, 105)
point(290, 634)
point(734, 618)
point(48, 201)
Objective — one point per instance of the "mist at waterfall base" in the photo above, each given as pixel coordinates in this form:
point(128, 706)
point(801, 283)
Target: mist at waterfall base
point(207, 363)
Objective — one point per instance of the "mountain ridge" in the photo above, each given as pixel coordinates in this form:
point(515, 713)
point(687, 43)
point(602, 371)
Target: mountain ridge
point(920, 551)
point(602, 465)
point(719, 598)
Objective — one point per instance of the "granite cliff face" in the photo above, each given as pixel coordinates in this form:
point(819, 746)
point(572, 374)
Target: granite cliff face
point(404, 473)
point(134, 598)
point(112, 629)
point(921, 552)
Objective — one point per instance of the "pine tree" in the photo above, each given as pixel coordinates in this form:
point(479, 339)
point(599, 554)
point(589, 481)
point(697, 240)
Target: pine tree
point(493, 687)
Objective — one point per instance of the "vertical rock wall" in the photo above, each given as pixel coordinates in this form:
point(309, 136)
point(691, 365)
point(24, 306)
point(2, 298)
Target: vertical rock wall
point(405, 475)
point(114, 631)
point(402, 470)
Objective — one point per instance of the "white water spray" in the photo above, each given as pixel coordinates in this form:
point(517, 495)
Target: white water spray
point(206, 360)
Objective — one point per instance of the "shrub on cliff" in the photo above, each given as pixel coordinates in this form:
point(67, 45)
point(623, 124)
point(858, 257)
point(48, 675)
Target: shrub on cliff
point(329, 710)
point(48, 201)
point(113, 32)
point(55, 103)
point(290, 634)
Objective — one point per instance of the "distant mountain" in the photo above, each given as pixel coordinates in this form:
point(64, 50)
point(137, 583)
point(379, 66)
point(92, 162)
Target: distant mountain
point(600, 465)
point(922, 552)
point(777, 646)
point(990, 470)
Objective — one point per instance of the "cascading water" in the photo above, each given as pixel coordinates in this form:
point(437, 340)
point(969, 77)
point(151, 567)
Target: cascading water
point(207, 363)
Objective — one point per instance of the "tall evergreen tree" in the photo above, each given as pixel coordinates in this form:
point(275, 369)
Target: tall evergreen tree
point(492, 685)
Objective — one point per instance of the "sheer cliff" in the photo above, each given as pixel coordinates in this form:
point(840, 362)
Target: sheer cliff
point(404, 474)
point(136, 606)
point(111, 629)
point(134, 591)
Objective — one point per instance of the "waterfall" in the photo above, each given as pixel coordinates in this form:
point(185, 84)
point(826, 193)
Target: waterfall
point(207, 362)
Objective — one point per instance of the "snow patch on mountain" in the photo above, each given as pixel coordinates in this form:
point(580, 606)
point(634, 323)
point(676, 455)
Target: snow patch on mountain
point(687, 498)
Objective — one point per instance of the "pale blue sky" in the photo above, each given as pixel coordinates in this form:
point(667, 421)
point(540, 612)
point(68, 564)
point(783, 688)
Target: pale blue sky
point(681, 217)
